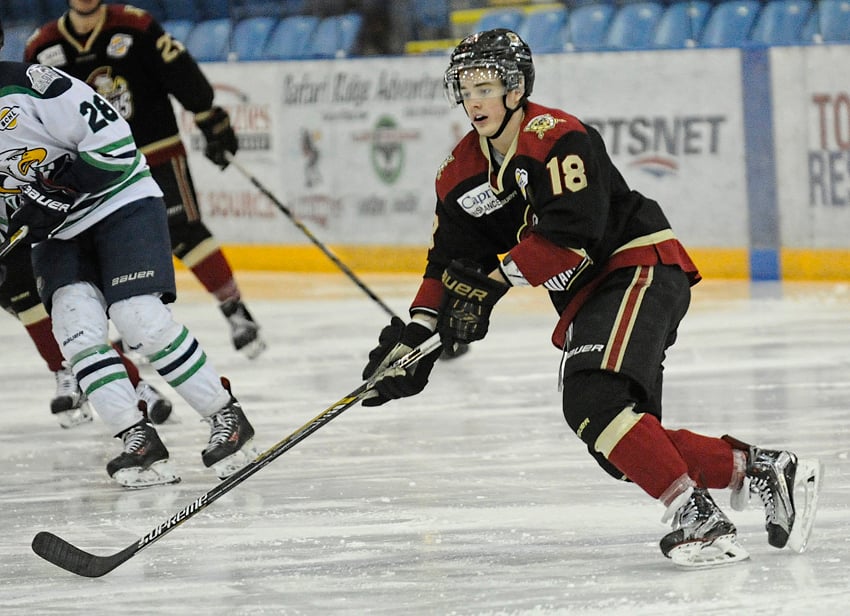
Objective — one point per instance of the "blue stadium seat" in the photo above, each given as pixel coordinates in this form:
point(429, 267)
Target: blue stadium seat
point(290, 38)
point(16, 41)
point(633, 25)
point(242, 9)
point(179, 29)
point(210, 9)
point(541, 30)
point(681, 24)
point(499, 18)
point(53, 9)
point(21, 12)
point(781, 22)
point(430, 18)
point(587, 26)
point(729, 24)
point(250, 36)
point(154, 7)
point(831, 21)
point(336, 36)
point(180, 9)
point(209, 40)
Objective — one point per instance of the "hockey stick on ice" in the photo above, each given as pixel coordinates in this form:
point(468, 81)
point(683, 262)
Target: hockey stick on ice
point(63, 554)
point(303, 228)
point(9, 244)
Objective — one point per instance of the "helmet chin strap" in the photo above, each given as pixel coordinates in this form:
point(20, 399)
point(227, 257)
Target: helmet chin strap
point(508, 115)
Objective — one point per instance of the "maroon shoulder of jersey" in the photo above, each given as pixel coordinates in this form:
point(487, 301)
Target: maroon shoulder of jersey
point(465, 161)
point(127, 16)
point(46, 34)
point(542, 127)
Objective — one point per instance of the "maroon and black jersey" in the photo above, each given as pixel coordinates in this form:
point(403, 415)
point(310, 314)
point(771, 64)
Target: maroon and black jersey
point(556, 208)
point(133, 63)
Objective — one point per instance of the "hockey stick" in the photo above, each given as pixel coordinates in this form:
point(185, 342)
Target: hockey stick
point(330, 255)
point(63, 554)
point(9, 244)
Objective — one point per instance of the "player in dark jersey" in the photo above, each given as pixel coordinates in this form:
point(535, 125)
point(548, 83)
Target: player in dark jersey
point(536, 185)
point(125, 55)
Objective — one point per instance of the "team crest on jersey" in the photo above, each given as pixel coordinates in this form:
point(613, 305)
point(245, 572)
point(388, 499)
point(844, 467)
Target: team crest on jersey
point(41, 77)
point(18, 166)
point(9, 117)
point(443, 165)
point(542, 124)
point(119, 45)
point(53, 56)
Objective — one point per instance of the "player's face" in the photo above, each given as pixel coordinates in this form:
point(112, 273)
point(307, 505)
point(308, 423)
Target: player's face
point(484, 99)
point(84, 7)
point(483, 94)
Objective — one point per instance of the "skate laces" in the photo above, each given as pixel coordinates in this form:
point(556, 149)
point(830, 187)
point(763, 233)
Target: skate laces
point(223, 424)
point(761, 488)
point(134, 439)
point(66, 383)
point(147, 394)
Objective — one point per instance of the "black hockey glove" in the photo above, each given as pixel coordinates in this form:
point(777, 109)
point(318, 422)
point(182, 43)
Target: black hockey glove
point(42, 206)
point(394, 341)
point(469, 300)
point(215, 125)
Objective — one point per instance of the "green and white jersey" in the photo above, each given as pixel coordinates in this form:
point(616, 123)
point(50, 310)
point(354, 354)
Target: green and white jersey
point(57, 125)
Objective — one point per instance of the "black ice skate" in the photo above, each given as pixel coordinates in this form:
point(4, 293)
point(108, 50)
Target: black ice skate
point(788, 488)
point(144, 461)
point(70, 405)
point(702, 535)
point(230, 447)
point(244, 330)
point(155, 406)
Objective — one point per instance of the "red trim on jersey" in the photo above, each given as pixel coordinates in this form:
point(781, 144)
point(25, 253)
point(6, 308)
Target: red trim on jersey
point(540, 147)
point(429, 297)
point(452, 173)
point(625, 320)
point(667, 252)
point(539, 259)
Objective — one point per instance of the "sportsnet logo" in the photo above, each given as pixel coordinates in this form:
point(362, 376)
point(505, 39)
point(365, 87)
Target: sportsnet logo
point(659, 145)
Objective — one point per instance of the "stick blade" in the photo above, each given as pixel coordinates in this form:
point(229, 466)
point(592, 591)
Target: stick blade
point(56, 550)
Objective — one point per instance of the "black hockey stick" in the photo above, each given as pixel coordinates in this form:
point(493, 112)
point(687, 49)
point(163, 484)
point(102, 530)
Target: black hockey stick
point(9, 244)
point(330, 255)
point(456, 350)
point(63, 554)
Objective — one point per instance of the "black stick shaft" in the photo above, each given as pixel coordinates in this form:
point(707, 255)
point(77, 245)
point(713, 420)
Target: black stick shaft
point(303, 228)
point(63, 554)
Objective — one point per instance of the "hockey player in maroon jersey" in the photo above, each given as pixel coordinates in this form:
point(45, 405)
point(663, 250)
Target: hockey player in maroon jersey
point(125, 55)
point(536, 185)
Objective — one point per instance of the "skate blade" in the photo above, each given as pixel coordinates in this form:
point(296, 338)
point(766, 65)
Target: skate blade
point(225, 467)
point(721, 551)
point(75, 417)
point(158, 473)
point(253, 349)
point(807, 486)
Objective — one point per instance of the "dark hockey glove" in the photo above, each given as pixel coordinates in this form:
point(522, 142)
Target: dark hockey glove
point(42, 207)
point(215, 125)
point(395, 341)
point(469, 299)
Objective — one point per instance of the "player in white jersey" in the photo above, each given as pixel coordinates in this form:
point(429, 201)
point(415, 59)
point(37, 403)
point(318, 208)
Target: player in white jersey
point(77, 182)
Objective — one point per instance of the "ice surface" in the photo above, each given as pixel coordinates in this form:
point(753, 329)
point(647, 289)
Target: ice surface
point(471, 498)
